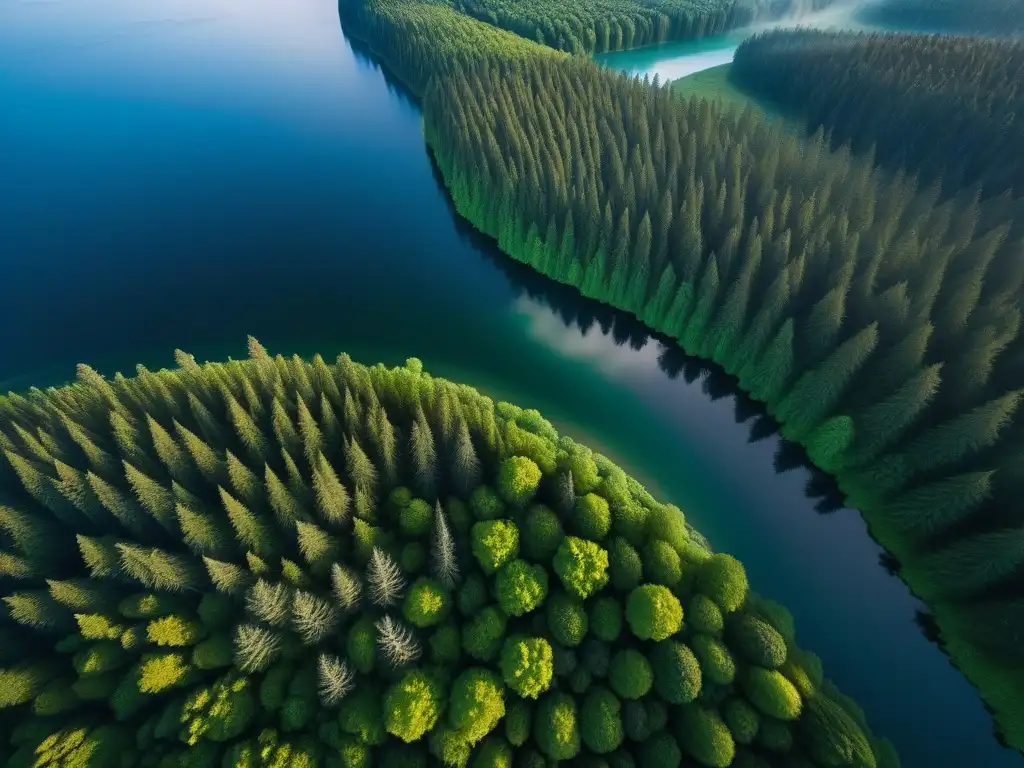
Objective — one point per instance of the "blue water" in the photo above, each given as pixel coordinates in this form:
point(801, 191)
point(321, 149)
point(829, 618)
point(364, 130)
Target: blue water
point(181, 174)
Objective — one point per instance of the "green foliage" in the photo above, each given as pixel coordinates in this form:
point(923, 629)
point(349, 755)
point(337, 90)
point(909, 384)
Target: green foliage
point(412, 705)
point(677, 674)
point(716, 663)
point(494, 543)
point(518, 478)
point(630, 675)
point(581, 565)
point(724, 580)
point(742, 720)
point(757, 641)
point(486, 504)
point(704, 736)
point(427, 603)
point(660, 750)
point(517, 722)
point(601, 721)
point(566, 619)
point(521, 587)
point(662, 564)
point(262, 625)
point(541, 534)
point(482, 635)
point(361, 645)
point(704, 615)
point(624, 565)
point(527, 665)
point(476, 705)
point(416, 518)
point(653, 612)
point(556, 727)
point(888, 64)
point(472, 594)
point(591, 517)
point(772, 693)
point(606, 619)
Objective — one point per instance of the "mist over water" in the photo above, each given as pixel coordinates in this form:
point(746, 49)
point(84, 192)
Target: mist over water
point(670, 61)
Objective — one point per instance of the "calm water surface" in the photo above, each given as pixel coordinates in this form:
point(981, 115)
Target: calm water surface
point(671, 61)
point(181, 174)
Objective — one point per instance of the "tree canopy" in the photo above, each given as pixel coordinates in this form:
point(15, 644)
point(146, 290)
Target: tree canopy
point(277, 626)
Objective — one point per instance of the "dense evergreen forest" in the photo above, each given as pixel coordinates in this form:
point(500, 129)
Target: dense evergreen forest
point(954, 108)
point(595, 26)
point(421, 39)
point(986, 17)
point(288, 564)
point(877, 320)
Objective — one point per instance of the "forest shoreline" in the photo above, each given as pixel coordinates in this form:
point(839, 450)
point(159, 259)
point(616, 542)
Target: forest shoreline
point(1001, 698)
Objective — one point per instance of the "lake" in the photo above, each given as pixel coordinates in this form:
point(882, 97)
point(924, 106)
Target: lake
point(671, 61)
point(181, 174)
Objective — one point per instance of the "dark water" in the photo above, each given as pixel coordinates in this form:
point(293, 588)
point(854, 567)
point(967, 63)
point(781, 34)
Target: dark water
point(183, 174)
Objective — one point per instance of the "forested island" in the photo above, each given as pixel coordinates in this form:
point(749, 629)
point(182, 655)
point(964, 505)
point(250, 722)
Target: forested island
point(875, 315)
point(954, 112)
point(280, 563)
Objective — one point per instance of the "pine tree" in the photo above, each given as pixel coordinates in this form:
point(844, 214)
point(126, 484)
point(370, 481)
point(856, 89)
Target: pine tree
point(157, 568)
point(100, 555)
point(317, 547)
point(312, 438)
point(819, 390)
point(201, 533)
point(209, 464)
point(335, 680)
point(424, 458)
point(382, 436)
point(396, 641)
point(360, 469)
point(212, 431)
point(286, 508)
point(465, 466)
point(269, 603)
point(251, 532)
point(384, 579)
point(445, 560)
point(882, 425)
point(172, 455)
point(227, 577)
point(284, 429)
point(256, 648)
point(245, 482)
point(971, 432)
point(153, 497)
point(332, 500)
point(346, 586)
point(767, 381)
point(969, 567)
point(248, 432)
point(126, 512)
point(931, 508)
point(312, 617)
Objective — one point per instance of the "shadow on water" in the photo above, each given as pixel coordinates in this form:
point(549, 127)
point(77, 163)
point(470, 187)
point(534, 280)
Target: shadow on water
point(365, 56)
point(577, 311)
point(582, 314)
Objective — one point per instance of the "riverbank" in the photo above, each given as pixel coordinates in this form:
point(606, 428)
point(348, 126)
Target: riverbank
point(471, 188)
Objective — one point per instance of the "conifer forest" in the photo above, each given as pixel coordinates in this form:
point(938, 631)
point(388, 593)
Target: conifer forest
point(298, 562)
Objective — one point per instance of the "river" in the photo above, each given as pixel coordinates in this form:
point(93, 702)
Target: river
point(181, 174)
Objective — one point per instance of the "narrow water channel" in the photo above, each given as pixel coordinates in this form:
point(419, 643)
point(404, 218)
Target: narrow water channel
point(181, 174)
